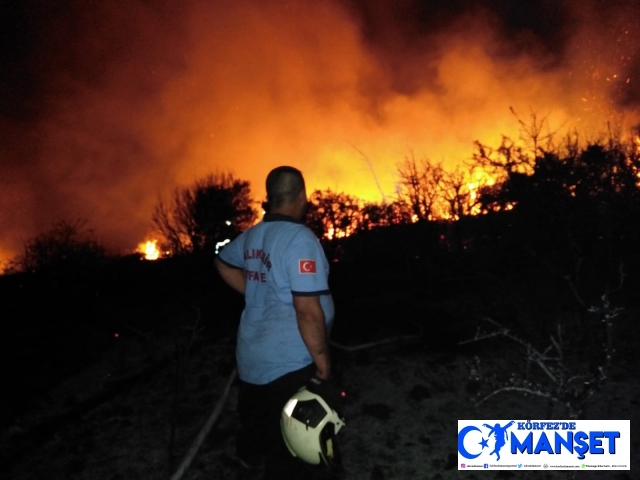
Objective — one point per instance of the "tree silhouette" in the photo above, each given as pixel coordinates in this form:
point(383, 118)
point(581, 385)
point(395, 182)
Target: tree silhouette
point(66, 245)
point(211, 210)
point(574, 210)
point(420, 186)
point(384, 214)
point(457, 194)
point(333, 215)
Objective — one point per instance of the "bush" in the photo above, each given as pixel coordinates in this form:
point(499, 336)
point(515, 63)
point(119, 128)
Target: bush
point(66, 245)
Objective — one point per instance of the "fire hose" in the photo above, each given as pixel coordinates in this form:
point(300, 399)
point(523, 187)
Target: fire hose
point(204, 431)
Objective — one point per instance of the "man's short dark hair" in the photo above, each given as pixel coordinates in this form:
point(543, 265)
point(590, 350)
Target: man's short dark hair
point(284, 184)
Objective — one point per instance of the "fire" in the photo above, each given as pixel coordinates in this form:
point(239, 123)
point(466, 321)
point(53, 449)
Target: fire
point(5, 259)
point(337, 233)
point(636, 140)
point(149, 249)
point(478, 179)
point(341, 90)
point(341, 233)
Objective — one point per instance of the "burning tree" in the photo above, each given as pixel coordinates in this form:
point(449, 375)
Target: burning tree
point(211, 210)
point(333, 215)
point(432, 192)
point(574, 217)
point(459, 194)
point(573, 209)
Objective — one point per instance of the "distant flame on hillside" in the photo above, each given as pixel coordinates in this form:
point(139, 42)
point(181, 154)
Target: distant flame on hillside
point(149, 249)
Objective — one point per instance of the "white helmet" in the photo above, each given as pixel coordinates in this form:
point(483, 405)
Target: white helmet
point(309, 424)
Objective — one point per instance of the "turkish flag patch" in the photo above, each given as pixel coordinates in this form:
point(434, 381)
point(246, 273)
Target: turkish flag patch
point(307, 266)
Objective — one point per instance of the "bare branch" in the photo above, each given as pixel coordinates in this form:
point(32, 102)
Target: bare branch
point(570, 390)
point(538, 393)
point(375, 177)
point(399, 340)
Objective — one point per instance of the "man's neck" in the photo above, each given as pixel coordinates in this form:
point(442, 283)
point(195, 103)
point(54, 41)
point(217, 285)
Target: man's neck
point(288, 211)
point(274, 217)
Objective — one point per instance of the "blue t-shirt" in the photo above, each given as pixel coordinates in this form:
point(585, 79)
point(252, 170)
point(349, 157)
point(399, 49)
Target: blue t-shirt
point(281, 258)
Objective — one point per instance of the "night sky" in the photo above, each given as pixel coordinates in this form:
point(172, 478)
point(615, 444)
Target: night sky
point(105, 105)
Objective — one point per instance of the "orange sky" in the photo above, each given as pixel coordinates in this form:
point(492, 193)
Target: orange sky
point(135, 103)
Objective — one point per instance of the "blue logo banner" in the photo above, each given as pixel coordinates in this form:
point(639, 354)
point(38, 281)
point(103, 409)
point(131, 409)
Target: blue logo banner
point(544, 444)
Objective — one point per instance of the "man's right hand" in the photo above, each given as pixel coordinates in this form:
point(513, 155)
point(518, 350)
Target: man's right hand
point(331, 394)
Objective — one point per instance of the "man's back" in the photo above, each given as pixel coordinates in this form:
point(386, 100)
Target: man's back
point(281, 258)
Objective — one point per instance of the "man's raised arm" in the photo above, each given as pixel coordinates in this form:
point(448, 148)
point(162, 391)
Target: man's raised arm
point(234, 277)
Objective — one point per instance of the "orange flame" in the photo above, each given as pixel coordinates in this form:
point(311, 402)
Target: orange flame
point(5, 260)
point(329, 89)
point(149, 249)
point(636, 140)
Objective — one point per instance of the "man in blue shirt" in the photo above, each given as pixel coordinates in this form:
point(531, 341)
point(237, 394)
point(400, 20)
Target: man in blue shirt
point(280, 268)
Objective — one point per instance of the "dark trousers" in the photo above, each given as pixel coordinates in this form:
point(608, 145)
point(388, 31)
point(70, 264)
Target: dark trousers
point(260, 408)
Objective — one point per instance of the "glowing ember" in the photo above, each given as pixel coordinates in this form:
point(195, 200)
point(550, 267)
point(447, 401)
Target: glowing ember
point(149, 249)
point(337, 233)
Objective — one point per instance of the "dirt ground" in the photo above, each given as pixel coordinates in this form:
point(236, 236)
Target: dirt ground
point(112, 420)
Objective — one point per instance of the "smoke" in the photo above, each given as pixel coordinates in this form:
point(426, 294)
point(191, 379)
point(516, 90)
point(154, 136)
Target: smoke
point(108, 105)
